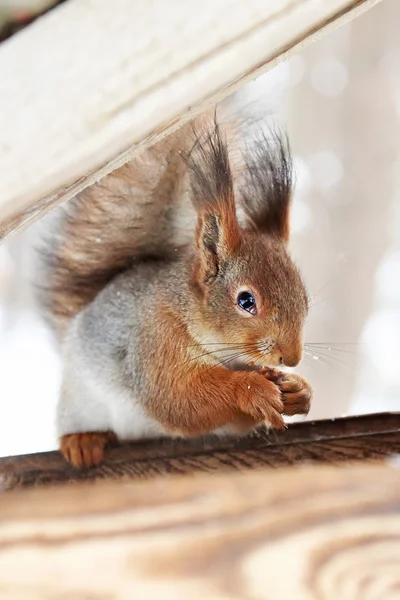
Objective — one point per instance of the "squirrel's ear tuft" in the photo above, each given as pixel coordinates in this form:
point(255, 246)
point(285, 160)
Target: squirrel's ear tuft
point(267, 187)
point(217, 233)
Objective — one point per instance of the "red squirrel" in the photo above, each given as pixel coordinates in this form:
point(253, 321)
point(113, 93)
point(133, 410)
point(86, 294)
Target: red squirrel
point(168, 337)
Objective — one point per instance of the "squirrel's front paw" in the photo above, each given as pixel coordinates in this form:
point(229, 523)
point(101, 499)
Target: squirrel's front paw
point(86, 449)
point(260, 399)
point(296, 391)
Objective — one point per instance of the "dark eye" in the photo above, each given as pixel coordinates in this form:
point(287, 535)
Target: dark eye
point(247, 301)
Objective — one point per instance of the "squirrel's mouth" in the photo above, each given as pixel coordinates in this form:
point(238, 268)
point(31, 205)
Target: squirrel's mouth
point(264, 354)
point(253, 361)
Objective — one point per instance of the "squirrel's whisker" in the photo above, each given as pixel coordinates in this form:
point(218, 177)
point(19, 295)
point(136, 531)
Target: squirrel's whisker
point(212, 352)
point(223, 344)
point(333, 343)
point(333, 358)
point(328, 359)
point(320, 359)
point(330, 348)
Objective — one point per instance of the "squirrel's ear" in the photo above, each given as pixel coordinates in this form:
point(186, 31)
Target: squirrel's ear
point(267, 187)
point(217, 233)
point(217, 236)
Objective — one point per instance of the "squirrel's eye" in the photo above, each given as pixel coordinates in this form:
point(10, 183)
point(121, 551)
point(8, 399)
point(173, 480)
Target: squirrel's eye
point(247, 301)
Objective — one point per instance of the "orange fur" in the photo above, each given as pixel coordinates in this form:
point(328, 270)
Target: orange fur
point(202, 397)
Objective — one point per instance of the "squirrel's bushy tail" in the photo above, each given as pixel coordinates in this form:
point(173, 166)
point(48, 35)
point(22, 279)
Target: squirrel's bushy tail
point(85, 243)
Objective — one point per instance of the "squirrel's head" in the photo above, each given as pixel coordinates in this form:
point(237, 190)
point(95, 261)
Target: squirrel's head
point(249, 299)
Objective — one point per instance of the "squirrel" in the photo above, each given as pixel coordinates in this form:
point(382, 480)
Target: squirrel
point(168, 337)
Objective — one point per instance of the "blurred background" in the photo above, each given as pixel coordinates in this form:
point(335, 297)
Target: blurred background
point(340, 102)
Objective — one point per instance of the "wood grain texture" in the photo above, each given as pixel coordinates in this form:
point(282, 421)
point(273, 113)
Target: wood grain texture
point(312, 533)
point(366, 438)
point(91, 84)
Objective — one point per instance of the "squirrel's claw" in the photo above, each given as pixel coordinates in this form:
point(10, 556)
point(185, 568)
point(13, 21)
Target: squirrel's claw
point(296, 392)
point(86, 449)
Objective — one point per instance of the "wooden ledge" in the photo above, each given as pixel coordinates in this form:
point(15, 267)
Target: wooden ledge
point(370, 437)
point(298, 534)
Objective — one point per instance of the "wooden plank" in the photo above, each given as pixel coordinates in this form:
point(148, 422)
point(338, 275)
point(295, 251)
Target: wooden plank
point(90, 85)
point(370, 437)
point(315, 532)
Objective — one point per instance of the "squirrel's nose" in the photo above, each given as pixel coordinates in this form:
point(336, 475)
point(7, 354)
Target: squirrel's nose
point(290, 361)
point(291, 357)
